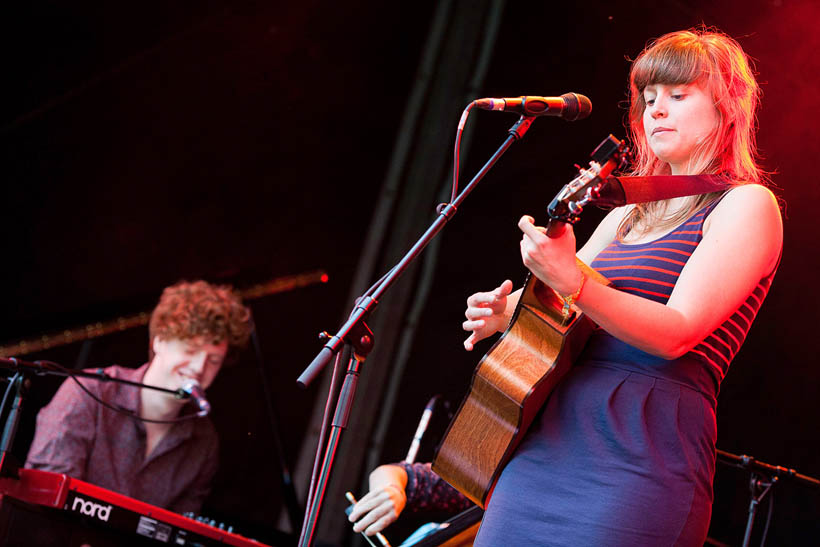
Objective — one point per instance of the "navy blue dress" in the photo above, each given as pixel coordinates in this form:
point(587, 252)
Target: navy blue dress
point(623, 452)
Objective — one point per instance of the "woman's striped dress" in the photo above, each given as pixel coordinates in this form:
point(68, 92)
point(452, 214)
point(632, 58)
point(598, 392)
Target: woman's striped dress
point(624, 450)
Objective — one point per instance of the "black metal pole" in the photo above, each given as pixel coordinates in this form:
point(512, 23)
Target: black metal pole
point(353, 330)
point(8, 464)
point(755, 485)
point(758, 486)
point(340, 419)
point(366, 304)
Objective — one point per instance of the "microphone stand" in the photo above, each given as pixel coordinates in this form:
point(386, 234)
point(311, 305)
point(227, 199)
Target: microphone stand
point(763, 477)
point(356, 334)
point(20, 383)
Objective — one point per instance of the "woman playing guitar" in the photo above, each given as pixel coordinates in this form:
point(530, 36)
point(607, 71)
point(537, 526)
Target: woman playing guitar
point(623, 452)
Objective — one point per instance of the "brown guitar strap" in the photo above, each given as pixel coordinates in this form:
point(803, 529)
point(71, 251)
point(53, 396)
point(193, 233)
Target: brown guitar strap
point(625, 190)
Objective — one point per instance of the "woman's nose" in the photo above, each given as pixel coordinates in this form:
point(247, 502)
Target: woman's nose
point(658, 110)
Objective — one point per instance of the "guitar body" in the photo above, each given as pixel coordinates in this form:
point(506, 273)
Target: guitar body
point(513, 380)
point(509, 386)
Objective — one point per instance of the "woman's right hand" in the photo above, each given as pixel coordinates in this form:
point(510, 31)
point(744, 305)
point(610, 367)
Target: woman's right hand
point(486, 314)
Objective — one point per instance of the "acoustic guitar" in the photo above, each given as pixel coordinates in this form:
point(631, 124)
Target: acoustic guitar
point(512, 381)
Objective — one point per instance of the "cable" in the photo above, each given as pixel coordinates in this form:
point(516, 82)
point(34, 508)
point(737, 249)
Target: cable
point(115, 408)
point(454, 192)
point(457, 149)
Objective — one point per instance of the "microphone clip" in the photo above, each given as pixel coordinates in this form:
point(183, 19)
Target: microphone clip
point(192, 390)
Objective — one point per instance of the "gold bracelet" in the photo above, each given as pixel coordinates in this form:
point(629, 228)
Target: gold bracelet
point(571, 299)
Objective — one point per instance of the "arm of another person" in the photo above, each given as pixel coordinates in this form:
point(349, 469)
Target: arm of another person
point(490, 312)
point(385, 501)
point(741, 244)
point(65, 432)
point(395, 487)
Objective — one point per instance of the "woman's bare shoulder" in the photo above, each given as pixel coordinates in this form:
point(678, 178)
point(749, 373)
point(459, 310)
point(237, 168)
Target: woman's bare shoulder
point(747, 203)
point(748, 215)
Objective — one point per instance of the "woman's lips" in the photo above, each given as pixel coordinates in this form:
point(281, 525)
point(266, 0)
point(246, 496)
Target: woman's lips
point(660, 130)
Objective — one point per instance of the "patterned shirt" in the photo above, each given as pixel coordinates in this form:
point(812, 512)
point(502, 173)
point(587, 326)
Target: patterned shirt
point(651, 270)
point(426, 491)
point(83, 439)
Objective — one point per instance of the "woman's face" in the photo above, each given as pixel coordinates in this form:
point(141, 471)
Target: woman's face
point(677, 119)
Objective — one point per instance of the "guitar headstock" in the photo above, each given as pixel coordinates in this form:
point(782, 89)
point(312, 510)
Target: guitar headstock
point(610, 155)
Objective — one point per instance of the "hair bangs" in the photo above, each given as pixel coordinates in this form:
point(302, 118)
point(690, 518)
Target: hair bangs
point(668, 64)
point(696, 56)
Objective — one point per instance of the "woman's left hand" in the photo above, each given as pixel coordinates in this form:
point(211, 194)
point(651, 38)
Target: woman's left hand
point(550, 259)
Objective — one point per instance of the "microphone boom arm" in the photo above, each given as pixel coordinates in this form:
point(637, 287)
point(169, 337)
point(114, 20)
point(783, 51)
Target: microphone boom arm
point(355, 326)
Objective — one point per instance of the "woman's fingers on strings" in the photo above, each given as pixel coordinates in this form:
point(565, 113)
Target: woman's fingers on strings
point(527, 224)
point(530, 230)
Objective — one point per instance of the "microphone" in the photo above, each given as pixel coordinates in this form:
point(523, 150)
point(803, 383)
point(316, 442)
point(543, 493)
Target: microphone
point(570, 106)
point(422, 427)
point(194, 391)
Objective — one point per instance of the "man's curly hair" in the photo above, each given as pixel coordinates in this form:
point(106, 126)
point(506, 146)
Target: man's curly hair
point(192, 309)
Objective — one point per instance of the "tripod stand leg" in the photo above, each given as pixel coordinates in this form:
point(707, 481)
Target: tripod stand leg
point(8, 464)
point(750, 522)
point(759, 489)
point(340, 419)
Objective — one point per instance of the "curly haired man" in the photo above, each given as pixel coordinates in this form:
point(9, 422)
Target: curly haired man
point(160, 458)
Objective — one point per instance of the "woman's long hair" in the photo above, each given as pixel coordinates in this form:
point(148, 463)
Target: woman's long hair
point(717, 63)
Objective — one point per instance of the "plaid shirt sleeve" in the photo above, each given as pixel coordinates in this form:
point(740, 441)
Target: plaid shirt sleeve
point(65, 433)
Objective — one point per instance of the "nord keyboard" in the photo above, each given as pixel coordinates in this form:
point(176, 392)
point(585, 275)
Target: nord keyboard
point(43, 508)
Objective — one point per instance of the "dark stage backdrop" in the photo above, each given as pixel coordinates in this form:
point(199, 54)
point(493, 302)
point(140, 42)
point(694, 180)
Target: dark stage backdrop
point(145, 142)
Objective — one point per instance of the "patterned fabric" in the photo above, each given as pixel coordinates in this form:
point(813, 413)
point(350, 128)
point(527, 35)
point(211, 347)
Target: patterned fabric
point(426, 491)
point(83, 439)
point(652, 269)
point(623, 452)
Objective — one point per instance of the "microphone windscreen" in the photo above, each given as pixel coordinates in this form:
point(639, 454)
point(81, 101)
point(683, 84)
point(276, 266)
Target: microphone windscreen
point(578, 106)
